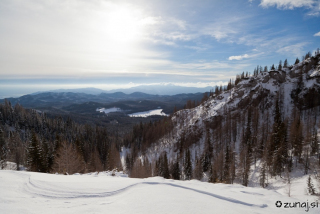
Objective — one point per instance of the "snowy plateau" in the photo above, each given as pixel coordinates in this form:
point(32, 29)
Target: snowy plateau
point(31, 192)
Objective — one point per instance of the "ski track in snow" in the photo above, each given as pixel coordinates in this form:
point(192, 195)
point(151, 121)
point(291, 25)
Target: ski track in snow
point(36, 188)
point(28, 192)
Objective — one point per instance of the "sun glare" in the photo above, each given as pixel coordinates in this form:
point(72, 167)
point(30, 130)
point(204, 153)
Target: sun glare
point(122, 29)
point(123, 25)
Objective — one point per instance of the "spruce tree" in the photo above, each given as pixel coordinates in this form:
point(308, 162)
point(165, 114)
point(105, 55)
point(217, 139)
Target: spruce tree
point(278, 142)
point(311, 188)
point(226, 172)
point(176, 170)
point(3, 150)
point(188, 166)
point(314, 143)
point(280, 66)
point(165, 168)
point(35, 157)
point(272, 67)
point(263, 175)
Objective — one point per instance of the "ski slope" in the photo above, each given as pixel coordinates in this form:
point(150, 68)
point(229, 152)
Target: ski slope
point(30, 192)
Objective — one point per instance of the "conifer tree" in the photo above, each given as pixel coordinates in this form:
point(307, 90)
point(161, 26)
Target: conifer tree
point(3, 150)
point(205, 161)
point(272, 67)
point(314, 143)
point(311, 188)
point(226, 172)
point(188, 165)
point(35, 155)
point(165, 167)
point(306, 163)
point(263, 175)
point(176, 170)
point(278, 140)
point(48, 157)
point(280, 66)
point(297, 136)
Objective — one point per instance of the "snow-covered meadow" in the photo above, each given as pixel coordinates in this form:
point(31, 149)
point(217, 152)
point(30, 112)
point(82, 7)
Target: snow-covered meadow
point(30, 192)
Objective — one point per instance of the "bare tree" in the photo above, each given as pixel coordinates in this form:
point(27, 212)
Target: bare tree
point(67, 160)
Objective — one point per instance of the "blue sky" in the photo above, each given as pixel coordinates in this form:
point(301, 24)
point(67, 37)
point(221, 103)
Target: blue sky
point(115, 44)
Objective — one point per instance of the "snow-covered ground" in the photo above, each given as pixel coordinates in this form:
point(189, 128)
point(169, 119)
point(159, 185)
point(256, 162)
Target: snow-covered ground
point(30, 192)
point(148, 113)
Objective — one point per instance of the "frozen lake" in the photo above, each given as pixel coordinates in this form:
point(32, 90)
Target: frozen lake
point(137, 114)
point(148, 113)
point(108, 110)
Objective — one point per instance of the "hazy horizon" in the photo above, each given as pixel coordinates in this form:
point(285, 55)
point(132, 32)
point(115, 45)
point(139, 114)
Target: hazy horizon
point(24, 90)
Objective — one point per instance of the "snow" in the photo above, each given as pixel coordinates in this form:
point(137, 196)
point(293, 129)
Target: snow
point(148, 113)
point(315, 73)
point(137, 114)
point(30, 192)
point(108, 110)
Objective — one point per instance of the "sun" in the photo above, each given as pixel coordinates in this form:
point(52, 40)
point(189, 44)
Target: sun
point(123, 25)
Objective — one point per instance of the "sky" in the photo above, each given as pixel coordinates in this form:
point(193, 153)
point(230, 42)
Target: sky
point(55, 44)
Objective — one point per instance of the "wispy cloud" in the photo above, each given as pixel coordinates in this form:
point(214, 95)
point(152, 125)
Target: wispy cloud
point(296, 49)
point(287, 4)
point(203, 65)
point(315, 11)
point(240, 57)
point(224, 28)
point(317, 34)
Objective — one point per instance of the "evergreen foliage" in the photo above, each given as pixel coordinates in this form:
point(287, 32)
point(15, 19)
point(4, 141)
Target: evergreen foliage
point(35, 158)
point(311, 189)
point(187, 165)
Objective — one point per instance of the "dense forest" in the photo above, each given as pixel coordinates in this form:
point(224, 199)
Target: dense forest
point(44, 144)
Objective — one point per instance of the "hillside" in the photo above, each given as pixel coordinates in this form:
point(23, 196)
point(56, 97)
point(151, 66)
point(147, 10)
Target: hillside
point(264, 127)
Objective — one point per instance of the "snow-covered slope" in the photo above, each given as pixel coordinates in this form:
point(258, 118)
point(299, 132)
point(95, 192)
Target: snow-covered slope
point(248, 92)
point(29, 192)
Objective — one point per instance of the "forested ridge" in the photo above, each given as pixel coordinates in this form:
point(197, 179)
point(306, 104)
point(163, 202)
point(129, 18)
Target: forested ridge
point(268, 119)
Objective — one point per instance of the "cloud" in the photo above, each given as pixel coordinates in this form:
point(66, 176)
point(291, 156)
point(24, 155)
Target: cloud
point(203, 65)
point(287, 4)
point(240, 57)
point(317, 34)
point(224, 28)
point(296, 49)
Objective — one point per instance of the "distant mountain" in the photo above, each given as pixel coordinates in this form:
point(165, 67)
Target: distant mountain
point(88, 103)
point(162, 89)
point(168, 89)
point(91, 90)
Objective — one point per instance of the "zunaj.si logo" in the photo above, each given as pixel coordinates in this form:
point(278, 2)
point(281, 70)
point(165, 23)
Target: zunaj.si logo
point(278, 204)
point(306, 205)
